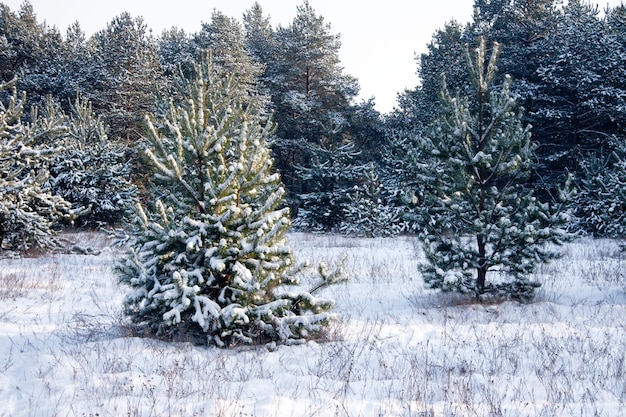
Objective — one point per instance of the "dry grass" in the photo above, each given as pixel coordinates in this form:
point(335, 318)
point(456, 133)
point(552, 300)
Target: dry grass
point(16, 282)
point(397, 349)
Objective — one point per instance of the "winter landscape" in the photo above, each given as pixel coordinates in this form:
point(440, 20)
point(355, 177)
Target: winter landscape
point(396, 348)
point(161, 195)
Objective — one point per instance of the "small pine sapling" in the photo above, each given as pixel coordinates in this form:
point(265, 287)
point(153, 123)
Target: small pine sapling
point(476, 213)
point(332, 171)
point(211, 255)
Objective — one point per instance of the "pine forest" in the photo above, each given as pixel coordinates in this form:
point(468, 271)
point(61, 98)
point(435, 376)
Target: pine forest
point(215, 223)
point(200, 152)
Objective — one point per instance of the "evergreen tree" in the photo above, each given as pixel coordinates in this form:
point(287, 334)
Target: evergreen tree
point(260, 37)
point(177, 53)
point(331, 172)
point(323, 142)
point(262, 45)
point(524, 29)
point(310, 96)
point(91, 170)
point(444, 59)
point(371, 211)
point(366, 130)
point(577, 102)
point(415, 111)
point(568, 66)
point(28, 211)
point(398, 179)
point(76, 67)
point(476, 215)
point(337, 164)
point(225, 37)
point(600, 201)
point(123, 75)
point(33, 50)
point(211, 257)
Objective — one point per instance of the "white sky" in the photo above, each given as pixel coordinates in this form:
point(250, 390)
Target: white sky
point(379, 38)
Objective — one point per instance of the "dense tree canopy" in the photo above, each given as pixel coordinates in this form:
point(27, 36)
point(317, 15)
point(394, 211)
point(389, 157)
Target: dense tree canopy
point(28, 211)
point(567, 64)
point(123, 78)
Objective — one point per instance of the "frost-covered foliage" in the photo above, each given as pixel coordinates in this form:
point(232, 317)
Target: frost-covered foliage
point(122, 75)
point(600, 203)
point(370, 211)
point(28, 211)
point(580, 100)
point(397, 176)
point(331, 172)
point(311, 98)
point(211, 256)
point(475, 213)
point(92, 171)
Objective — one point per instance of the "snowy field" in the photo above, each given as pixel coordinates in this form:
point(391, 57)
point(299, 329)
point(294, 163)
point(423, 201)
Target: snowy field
point(396, 349)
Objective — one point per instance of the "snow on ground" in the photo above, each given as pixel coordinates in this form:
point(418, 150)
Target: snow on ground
point(397, 349)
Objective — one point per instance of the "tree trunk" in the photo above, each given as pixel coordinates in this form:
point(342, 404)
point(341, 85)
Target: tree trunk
point(480, 179)
point(482, 266)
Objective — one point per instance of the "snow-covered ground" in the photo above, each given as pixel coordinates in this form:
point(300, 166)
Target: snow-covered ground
point(396, 349)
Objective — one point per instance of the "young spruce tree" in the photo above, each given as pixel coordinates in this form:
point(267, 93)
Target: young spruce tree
point(370, 211)
point(476, 214)
point(211, 257)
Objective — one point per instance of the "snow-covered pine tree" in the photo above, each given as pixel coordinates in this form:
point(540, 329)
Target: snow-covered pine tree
point(600, 201)
point(476, 214)
point(370, 211)
point(92, 171)
point(211, 257)
point(327, 178)
point(311, 97)
point(28, 212)
point(123, 75)
point(397, 175)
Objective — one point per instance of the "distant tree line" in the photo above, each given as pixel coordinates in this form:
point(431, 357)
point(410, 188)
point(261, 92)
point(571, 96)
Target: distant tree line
point(344, 165)
point(568, 66)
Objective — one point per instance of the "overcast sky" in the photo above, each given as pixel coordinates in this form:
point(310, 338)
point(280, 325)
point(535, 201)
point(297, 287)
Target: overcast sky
point(379, 38)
